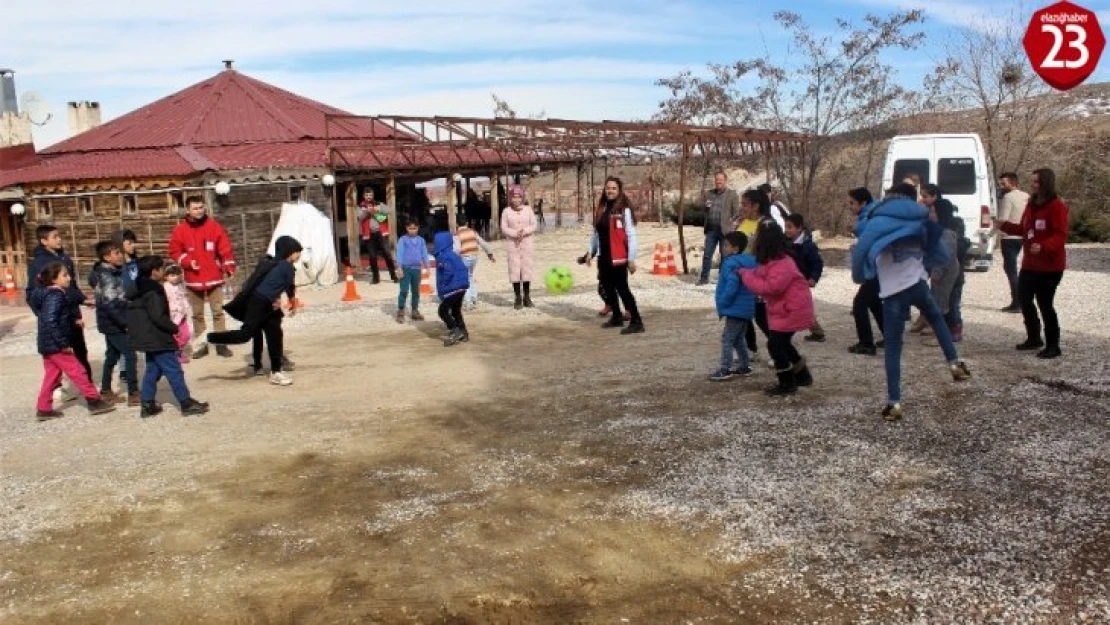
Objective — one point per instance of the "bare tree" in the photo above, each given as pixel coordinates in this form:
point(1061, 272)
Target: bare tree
point(841, 84)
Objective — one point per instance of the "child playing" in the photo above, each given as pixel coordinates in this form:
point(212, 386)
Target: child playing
point(56, 321)
point(109, 280)
point(179, 308)
point(452, 282)
point(809, 261)
point(789, 306)
point(467, 244)
point(736, 304)
point(412, 256)
point(151, 331)
point(258, 305)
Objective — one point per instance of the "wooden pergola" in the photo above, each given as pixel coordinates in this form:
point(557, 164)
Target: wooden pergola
point(468, 146)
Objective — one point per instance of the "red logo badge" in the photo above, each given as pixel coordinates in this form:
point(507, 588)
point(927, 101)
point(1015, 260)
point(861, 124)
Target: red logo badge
point(1064, 43)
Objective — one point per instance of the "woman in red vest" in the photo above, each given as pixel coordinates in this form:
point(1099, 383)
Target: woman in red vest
point(614, 243)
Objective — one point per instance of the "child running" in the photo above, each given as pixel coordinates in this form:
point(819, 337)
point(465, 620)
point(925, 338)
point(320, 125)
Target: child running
point(151, 331)
point(736, 305)
point(179, 308)
point(467, 244)
point(789, 306)
point(451, 284)
point(56, 321)
point(109, 282)
point(809, 261)
point(412, 256)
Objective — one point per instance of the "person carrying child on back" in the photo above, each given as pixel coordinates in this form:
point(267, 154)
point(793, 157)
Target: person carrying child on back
point(412, 256)
point(179, 308)
point(810, 263)
point(56, 320)
point(452, 282)
point(258, 305)
point(151, 331)
point(736, 305)
point(109, 282)
point(789, 306)
point(467, 244)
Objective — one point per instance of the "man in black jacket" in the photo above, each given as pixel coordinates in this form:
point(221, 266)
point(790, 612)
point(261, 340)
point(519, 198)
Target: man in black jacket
point(150, 330)
point(50, 250)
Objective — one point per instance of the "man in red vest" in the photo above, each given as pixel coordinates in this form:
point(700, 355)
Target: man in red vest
point(201, 246)
point(373, 226)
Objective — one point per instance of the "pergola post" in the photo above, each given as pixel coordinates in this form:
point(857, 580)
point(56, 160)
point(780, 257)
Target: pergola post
point(495, 215)
point(578, 191)
point(558, 209)
point(452, 204)
point(354, 250)
point(391, 201)
point(682, 207)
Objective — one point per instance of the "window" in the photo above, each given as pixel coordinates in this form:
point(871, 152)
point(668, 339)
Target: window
point(129, 205)
point(903, 168)
point(956, 176)
point(175, 201)
point(85, 207)
point(297, 192)
point(44, 210)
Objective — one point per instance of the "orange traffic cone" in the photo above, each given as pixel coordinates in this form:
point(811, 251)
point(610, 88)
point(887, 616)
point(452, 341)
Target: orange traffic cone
point(352, 293)
point(426, 287)
point(670, 269)
point(9, 282)
point(658, 262)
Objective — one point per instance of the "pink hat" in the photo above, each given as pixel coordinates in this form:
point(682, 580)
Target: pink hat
point(516, 189)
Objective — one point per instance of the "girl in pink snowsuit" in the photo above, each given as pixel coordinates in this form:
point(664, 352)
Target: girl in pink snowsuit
point(179, 309)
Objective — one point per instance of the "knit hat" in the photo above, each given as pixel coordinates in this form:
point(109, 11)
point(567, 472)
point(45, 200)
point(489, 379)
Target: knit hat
point(286, 246)
point(516, 189)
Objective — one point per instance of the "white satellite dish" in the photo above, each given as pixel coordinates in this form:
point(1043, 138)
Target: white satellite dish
point(35, 107)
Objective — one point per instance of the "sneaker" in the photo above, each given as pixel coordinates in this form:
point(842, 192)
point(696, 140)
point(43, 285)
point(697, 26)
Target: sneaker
point(1029, 345)
point(613, 323)
point(771, 364)
point(742, 372)
point(47, 415)
point(892, 412)
point(150, 409)
point(63, 396)
point(223, 351)
point(863, 349)
point(451, 339)
point(191, 407)
point(1049, 353)
point(416, 316)
point(815, 338)
point(133, 399)
point(280, 379)
point(253, 371)
point(701, 283)
point(99, 406)
point(960, 372)
point(1012, 308)
point(721, 375)
point(464, 335)
point(111, 397)
point(635, 327)
point(201, 353)
point(400, 316)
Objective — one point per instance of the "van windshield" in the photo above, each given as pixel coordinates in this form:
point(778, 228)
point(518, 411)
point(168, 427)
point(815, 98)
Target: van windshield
point(956, 176)
point(906, 166)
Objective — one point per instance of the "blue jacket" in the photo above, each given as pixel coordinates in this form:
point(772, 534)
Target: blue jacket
point(411, 251)
point(109, 293)
point(733, 298)
point(892, 219)
point(43, 257)
point(451, 273)
point(56, 319)
point(808, 258)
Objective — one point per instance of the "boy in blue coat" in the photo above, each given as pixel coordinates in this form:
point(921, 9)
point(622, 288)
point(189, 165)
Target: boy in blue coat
point(452, 281)
point(736, 304)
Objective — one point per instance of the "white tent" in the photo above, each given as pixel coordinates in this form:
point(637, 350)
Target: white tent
point(313, 230)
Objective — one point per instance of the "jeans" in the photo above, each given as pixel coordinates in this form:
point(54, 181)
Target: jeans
point(615, 280)
point(714, 242)
point(450, 311)
point(471, 297)
point(214, 297)
point(954, 316)
point(1040, 287)
point(260, 319)
point(117, 348)
point(54, 365)
point(895, 308)
point(867, 300)
point(159, 364)
point(781, 346)
point(732, 339)
point(410, 279)
point(1011, 249)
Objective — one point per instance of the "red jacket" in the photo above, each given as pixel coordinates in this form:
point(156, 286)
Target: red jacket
point(203, 250)
point(782, 286)
point(1046, 225)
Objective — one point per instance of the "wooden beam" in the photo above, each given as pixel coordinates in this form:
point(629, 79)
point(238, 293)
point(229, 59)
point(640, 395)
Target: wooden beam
point(495, 215)
point(452, 204)
point(682, 208)
point(354, 251)
point(558, 209)
point(391, 201)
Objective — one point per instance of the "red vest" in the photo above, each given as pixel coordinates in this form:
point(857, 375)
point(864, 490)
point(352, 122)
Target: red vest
point(618, 239)
point(364, 225)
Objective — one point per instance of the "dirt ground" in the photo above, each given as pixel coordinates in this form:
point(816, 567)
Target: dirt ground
point(501, 481)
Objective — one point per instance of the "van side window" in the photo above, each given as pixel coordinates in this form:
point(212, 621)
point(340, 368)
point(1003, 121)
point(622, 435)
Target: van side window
point(956, 176)
point(904, 167)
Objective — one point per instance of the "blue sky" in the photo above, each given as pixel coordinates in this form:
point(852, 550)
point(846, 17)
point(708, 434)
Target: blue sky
point(568, 58)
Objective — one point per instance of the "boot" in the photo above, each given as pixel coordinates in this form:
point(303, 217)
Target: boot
point(802, 377)
point(528, 295)
point(223, 351)
point(787, 385)
point(99, 406)
point(191, 407)
point(202, 352)
point(149, 409)
point(518, 303)
point(133, 399)
point(634, 327)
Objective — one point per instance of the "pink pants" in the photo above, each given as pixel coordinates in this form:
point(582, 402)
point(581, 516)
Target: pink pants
point(54, 365)
point(182, 338)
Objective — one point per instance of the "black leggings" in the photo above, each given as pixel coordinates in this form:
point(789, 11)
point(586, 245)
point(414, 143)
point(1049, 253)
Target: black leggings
point(781, 346)
point(450, 311)
point(867, 300)
point(261, 319)
point(1037, 289)
point(761, 321)
point(614, 281)
point(80, 349)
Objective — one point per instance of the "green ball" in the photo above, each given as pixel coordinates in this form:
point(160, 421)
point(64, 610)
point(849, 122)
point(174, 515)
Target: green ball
point(558, 280)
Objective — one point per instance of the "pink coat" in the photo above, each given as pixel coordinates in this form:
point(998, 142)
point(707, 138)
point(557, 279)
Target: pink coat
point(179, 303)
point(782, 286)
point(521, 258)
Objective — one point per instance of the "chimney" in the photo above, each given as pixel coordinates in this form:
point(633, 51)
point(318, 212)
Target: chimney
point(229, 63)
point(9, 101)
point(83, 116)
